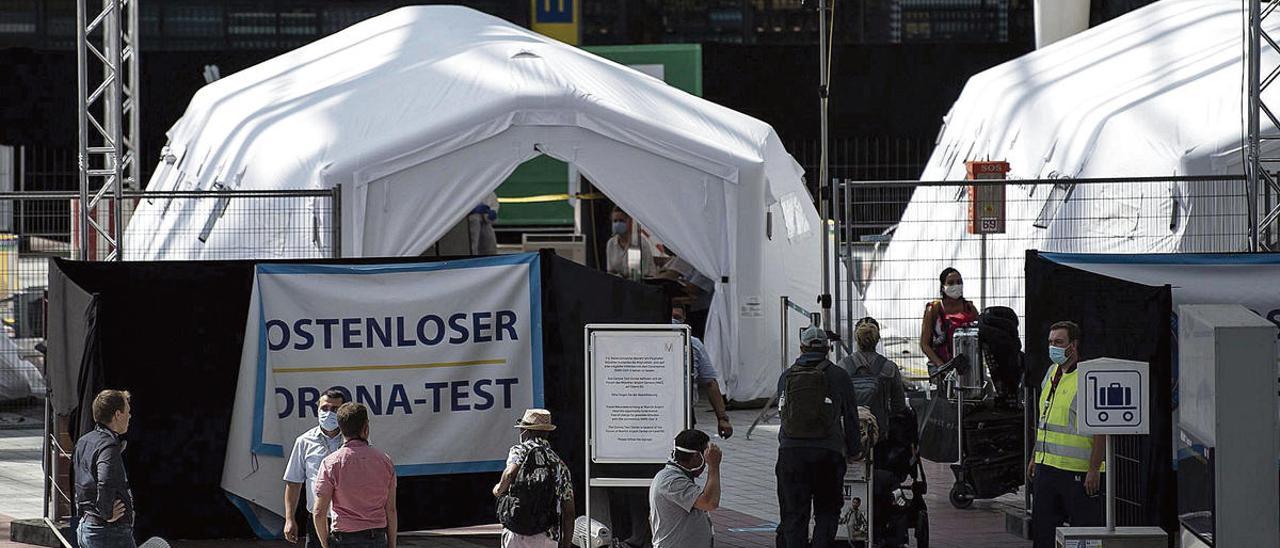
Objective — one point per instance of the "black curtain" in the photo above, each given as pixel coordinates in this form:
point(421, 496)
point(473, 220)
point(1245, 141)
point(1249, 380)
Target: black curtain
point(172, 333)
point(1118, 319)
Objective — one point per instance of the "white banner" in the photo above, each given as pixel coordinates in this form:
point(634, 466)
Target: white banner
point(446, 355)
point(437, 351)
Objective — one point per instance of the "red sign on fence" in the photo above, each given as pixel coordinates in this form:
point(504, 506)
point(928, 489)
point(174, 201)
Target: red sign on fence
point(986, 202)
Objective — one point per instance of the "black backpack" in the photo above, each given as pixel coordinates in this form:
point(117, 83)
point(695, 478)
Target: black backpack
point(807, 410)
point(866, 386)
point(529, 505)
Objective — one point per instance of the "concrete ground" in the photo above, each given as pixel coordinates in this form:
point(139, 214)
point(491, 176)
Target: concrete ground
point(748, 514)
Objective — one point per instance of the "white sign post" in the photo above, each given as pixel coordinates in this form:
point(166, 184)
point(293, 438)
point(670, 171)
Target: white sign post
point(1116, 400)
point(638, 390)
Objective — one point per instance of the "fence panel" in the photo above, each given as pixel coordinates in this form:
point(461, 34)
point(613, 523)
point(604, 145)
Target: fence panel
point(290, 224)
point(896, 237)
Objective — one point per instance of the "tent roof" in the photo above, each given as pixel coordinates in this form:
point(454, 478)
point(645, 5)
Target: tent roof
point(421, 76)
point(1155, 92)
point(419, 113)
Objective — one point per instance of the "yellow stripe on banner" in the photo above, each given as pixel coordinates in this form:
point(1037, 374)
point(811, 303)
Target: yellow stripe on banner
point(542, 198)
point(385, 367)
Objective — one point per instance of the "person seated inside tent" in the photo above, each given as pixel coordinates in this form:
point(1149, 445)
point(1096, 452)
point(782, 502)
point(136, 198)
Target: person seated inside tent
point(629, 251)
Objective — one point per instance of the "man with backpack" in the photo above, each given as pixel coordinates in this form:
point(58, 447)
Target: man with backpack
point(819, 436)
point(535, 496)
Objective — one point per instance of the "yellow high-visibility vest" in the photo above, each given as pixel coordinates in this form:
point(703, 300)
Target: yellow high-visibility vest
point(1057, 443)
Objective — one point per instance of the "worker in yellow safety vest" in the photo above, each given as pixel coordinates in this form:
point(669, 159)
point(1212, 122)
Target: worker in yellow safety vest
point(1066, 467)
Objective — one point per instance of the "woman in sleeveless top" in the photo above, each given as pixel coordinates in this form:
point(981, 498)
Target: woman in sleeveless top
point(943, 316)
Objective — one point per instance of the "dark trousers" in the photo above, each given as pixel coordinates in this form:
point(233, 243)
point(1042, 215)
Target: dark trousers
point(369, 538)
point(809, 476)
point(312, 542)
point(1059, 499)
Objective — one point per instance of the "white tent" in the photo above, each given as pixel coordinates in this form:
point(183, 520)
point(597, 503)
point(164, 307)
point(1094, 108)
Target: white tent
point(419, 113)
point(1154, 93)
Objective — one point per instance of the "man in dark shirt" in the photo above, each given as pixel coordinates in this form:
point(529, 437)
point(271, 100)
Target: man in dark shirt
point(811, 467)
point(103, 499)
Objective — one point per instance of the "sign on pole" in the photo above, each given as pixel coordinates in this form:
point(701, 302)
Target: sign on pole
point(1115, 397)
point(638, 382)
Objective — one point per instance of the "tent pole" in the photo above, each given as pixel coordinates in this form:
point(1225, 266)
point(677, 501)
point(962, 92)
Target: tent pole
point(824, 187)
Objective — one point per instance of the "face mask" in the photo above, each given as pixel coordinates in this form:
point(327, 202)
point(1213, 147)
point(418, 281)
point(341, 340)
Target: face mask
point(328, 420)
point(954, 291)
point(695, 472)
point(677, 321)
point(619, 228)
point(1058, 355)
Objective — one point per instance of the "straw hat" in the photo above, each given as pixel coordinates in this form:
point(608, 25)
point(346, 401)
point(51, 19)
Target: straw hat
point(536, 419)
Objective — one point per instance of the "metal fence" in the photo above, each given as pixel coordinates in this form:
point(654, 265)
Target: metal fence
point(866, 158)
point(37, 226)
point(894, 239)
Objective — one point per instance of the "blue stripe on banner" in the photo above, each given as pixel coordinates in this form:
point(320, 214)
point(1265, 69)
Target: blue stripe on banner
point(260, 393)
point(251, 517)
point(451, 468)
point(1165, 258)
point(535, 310)
point(301, 268)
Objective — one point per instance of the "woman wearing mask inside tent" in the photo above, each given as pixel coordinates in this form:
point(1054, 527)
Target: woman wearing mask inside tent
point(943, 316)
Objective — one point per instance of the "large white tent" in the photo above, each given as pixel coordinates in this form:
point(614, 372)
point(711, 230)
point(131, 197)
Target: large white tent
point(419, 113)
point(1155, 93)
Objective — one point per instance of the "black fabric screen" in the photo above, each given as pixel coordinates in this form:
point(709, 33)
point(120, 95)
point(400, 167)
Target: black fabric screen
point(171, 333)
point(1118, 319)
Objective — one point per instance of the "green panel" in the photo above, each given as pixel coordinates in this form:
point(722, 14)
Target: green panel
point(682, 62)
point(539, 176)
point(682, 68)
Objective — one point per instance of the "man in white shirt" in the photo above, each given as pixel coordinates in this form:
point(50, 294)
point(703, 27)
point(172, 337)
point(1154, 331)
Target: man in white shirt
point(627, 235)
point(309, 450)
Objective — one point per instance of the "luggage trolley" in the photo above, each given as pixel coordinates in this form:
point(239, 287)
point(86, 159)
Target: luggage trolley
point(971, 384)
point(988, 427)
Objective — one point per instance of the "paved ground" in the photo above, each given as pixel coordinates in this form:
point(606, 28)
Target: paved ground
point(750, 504)
point(21, 486)
point(748, 514)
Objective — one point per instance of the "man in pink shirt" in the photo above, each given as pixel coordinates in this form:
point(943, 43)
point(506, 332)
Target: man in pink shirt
point(359, 482)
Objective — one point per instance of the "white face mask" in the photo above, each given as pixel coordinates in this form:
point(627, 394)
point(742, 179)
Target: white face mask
point(695, 471)
point(328, 420)
point(954, 291)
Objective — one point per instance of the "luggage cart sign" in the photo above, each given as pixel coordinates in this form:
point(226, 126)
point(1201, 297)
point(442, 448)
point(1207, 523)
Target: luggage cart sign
point(1116, 399)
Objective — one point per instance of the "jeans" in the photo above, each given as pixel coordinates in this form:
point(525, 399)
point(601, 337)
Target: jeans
point(104, 536)
point(369, 538)
point(809, 475)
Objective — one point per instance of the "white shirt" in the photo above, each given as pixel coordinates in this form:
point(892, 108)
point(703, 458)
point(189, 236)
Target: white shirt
point(617, 255)
point(304, 462)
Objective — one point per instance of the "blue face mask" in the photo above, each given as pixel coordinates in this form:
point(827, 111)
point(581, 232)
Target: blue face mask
point(328, 420)
point(619, 227)
point(1057, 355)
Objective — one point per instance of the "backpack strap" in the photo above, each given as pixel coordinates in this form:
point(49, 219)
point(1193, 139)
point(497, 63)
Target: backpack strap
point(881, 362)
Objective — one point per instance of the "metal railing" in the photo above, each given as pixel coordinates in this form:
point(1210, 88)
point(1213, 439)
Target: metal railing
point(36, 226)
point(893, 238)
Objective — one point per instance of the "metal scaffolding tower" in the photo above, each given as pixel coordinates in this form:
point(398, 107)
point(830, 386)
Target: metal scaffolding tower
point(1262, 187)
point(107, 64)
